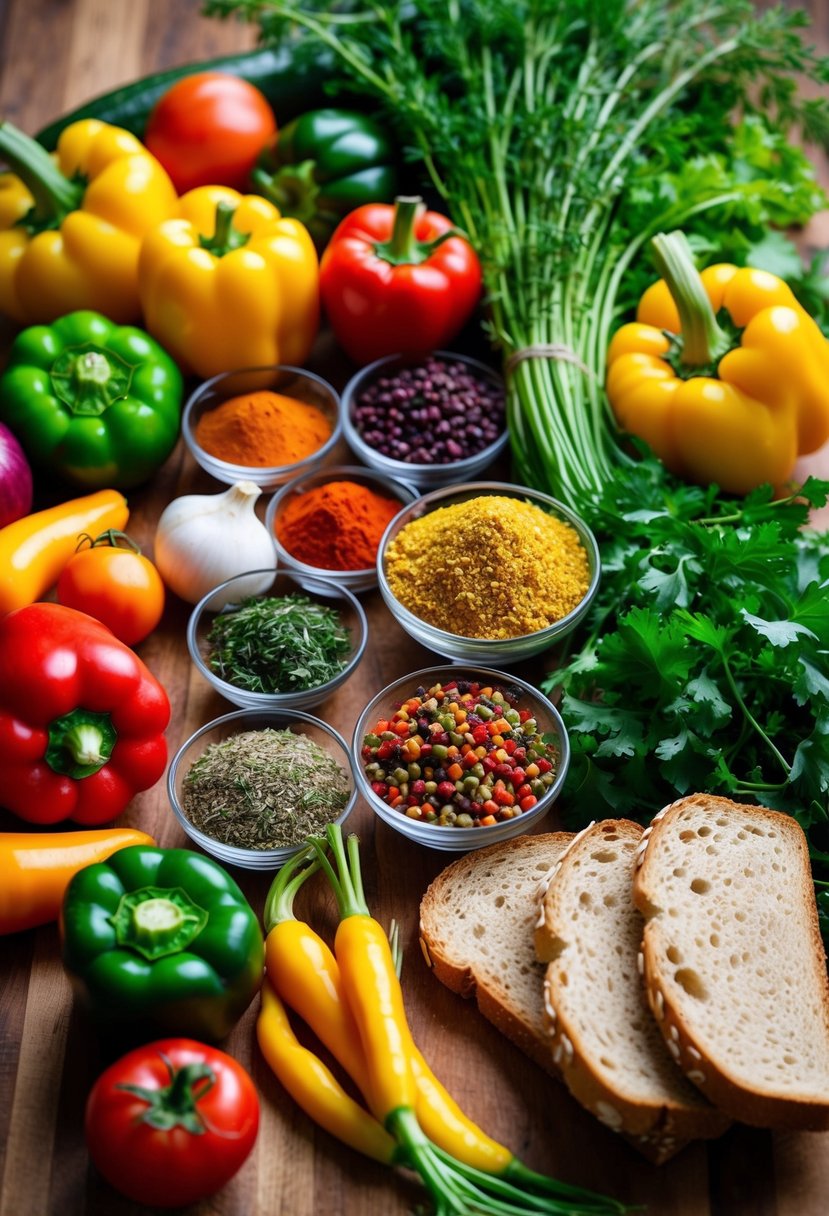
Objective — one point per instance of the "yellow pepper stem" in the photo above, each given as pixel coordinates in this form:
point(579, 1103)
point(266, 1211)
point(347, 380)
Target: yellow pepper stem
point(54, 195)
point(225, 236)
point(703, 341)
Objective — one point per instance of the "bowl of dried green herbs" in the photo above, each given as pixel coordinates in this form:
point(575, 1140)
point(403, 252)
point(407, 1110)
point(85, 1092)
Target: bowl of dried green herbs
point(251, 786)
point(288, 647)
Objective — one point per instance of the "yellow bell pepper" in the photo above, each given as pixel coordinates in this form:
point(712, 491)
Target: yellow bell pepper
point(230, 284)
point(734, 408)
point(71, 225)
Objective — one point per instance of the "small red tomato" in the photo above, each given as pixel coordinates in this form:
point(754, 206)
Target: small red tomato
point(118, 586)
point(208, 129)
point(171, 1122)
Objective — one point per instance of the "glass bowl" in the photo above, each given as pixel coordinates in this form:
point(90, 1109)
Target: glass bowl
point(353, 580)
point(289, 382)
point(223, 728)
point(488, 650)
point(226, 598)
point(455, 839)
point(424, 476)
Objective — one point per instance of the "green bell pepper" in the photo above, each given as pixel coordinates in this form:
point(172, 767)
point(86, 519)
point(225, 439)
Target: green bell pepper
point(162, 940)
point(97, 403)
point(323, 165)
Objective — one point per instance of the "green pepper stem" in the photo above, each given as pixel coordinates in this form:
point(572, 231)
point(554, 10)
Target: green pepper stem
point(293, 189)
point(279, 902)
point(157, 921)
point(346, 880)
point(80, 743)
point(703, 341)
point(225, 236)
point(55, 196)
point(85, 745)
point(88, 379)
point(403, 248)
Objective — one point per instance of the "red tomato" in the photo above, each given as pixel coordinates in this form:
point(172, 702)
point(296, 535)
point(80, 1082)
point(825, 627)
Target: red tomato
point(184, 1134)
point(208, 129)
point(119, 587)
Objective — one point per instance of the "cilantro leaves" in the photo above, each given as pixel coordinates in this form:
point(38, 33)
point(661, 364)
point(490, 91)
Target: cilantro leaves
point(706, 665)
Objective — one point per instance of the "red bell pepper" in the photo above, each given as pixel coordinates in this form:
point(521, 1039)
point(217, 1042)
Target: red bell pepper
point(397, 279)
point(82, 719)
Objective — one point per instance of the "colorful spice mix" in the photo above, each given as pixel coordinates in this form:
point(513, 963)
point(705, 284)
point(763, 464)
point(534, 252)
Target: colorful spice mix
point(459, 755)
point(263, 430)
point(492, 567)
point(337, 526)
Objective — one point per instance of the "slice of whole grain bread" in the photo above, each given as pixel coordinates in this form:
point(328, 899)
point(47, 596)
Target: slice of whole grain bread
point(476, 933)
point(733, 960)
point(604, 1038)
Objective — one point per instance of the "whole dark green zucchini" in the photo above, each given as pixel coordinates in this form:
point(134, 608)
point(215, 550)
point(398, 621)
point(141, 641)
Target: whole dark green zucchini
point(292, 85)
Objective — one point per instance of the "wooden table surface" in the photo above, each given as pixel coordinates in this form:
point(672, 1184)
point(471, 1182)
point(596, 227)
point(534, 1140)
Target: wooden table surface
point(56, 53)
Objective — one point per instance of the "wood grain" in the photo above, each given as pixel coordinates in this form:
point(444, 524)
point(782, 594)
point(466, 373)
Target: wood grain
point(55, 54)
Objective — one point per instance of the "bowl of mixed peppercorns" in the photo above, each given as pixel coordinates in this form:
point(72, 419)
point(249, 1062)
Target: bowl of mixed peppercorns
point(431, 421)
point(457, 758)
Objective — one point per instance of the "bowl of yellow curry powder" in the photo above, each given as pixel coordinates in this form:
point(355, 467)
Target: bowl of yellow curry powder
point(262, 424)
point(488, 572)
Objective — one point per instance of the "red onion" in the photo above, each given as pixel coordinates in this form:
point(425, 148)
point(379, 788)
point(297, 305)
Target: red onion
point(15, 479)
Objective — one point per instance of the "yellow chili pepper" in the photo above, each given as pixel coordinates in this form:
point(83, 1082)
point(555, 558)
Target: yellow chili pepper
point(371, 988)
point(305, 974)
point(313, 1087)
point(230, 284)
point(37, 867)
point(34, 549)
point(733, 409)
point(71, 225)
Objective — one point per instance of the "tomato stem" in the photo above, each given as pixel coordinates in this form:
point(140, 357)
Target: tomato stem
point(174, 1105)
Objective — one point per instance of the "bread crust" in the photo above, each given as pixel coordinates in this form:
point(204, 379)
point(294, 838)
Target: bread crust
point(659, 1127)
point(462, 977)
point(710, 1074)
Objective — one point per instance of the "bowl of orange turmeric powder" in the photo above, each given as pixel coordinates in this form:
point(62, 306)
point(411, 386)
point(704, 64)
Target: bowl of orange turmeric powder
point(262, 424)
point(328, 524)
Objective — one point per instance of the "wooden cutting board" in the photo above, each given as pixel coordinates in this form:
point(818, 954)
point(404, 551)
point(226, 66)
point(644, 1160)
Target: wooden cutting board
point(56, 53)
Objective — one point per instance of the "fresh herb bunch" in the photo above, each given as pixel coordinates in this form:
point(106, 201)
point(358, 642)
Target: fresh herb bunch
point(562, 135)
point(276, 644)
point(704, 665)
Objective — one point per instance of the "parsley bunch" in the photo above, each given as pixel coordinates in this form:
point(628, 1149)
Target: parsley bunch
point(705, 663)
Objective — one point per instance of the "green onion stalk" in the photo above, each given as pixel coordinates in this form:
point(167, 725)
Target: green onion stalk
point(554, 132)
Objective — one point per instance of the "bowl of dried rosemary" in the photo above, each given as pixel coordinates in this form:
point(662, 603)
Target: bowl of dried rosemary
point(287, 647)
point(251, 786)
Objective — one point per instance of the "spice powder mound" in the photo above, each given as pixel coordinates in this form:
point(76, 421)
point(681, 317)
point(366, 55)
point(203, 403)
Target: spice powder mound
point(263, 429)
point(264, 789)
point(492, 567)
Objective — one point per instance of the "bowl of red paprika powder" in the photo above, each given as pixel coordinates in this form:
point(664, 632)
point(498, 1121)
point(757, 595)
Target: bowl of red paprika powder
point(262, 424)
point(327, 525)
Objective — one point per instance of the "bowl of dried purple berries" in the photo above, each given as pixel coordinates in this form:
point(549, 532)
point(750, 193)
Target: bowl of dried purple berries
point(431, 421)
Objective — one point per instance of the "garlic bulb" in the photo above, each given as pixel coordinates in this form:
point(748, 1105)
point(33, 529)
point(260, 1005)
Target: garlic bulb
point(203, 539)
